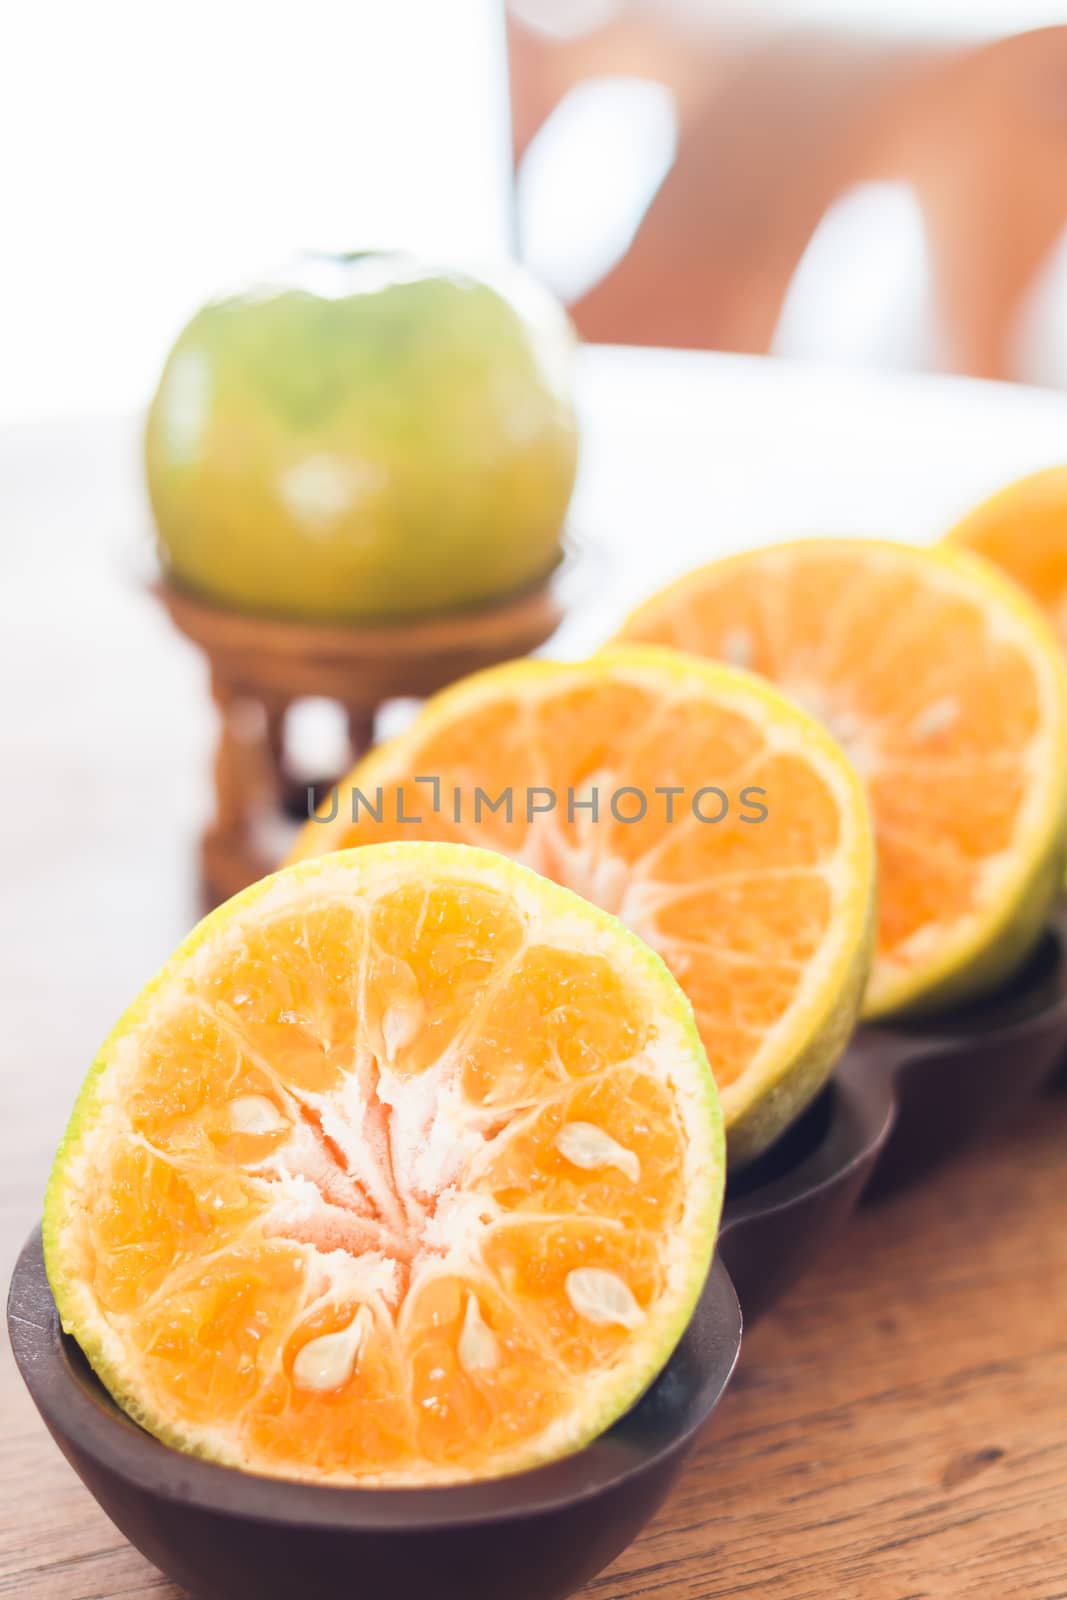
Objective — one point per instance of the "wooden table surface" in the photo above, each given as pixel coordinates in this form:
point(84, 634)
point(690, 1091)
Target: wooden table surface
point(899, 1427)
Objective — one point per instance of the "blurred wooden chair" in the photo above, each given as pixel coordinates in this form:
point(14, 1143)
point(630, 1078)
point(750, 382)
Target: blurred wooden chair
point(773, 129)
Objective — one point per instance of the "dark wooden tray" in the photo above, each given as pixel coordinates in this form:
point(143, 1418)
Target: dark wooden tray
point(902, 1100)
point(224, 1534)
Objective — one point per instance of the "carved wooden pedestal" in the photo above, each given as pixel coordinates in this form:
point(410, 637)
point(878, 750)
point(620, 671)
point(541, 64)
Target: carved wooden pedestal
point(260, 666)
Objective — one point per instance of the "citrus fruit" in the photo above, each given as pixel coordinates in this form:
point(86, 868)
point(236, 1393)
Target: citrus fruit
point(1023, 530)
point(367, 436)
point(753, 879)
point(406, 1168)
point(943, 683)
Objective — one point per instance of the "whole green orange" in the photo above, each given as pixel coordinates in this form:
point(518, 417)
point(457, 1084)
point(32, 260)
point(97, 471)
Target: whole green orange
point(365, 437)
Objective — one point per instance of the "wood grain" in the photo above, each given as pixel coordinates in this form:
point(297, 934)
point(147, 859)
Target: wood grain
point(899, 1429)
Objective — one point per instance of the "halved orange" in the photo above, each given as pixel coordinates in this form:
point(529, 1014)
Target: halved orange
point(1023, 530)
point(729, 832)
point(406, 1168)
point(942, 681)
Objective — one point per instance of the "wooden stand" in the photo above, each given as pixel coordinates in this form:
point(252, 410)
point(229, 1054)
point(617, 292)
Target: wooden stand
point(261, 666)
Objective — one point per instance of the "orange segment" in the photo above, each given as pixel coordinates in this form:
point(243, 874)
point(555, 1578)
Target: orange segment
point(943, 685)
point(206, 1342)
point(153, 1219)
point(604, 1147)
point(357, 1188)
point(298, 1017)
point(587, 1284)
point(479, 1367)
point(291, 1428)
point(562, 1017)
point(714, 818)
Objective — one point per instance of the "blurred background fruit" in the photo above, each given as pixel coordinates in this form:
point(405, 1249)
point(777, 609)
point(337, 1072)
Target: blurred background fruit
point(365, 437)
point(1023, 530)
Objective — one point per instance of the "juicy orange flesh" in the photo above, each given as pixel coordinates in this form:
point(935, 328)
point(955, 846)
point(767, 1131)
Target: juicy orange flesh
point(936, 712)
point(736, 909)
point(312, 1129)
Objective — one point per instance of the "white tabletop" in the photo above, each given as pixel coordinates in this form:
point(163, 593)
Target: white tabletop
point(686, 456)
point(690, 456)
